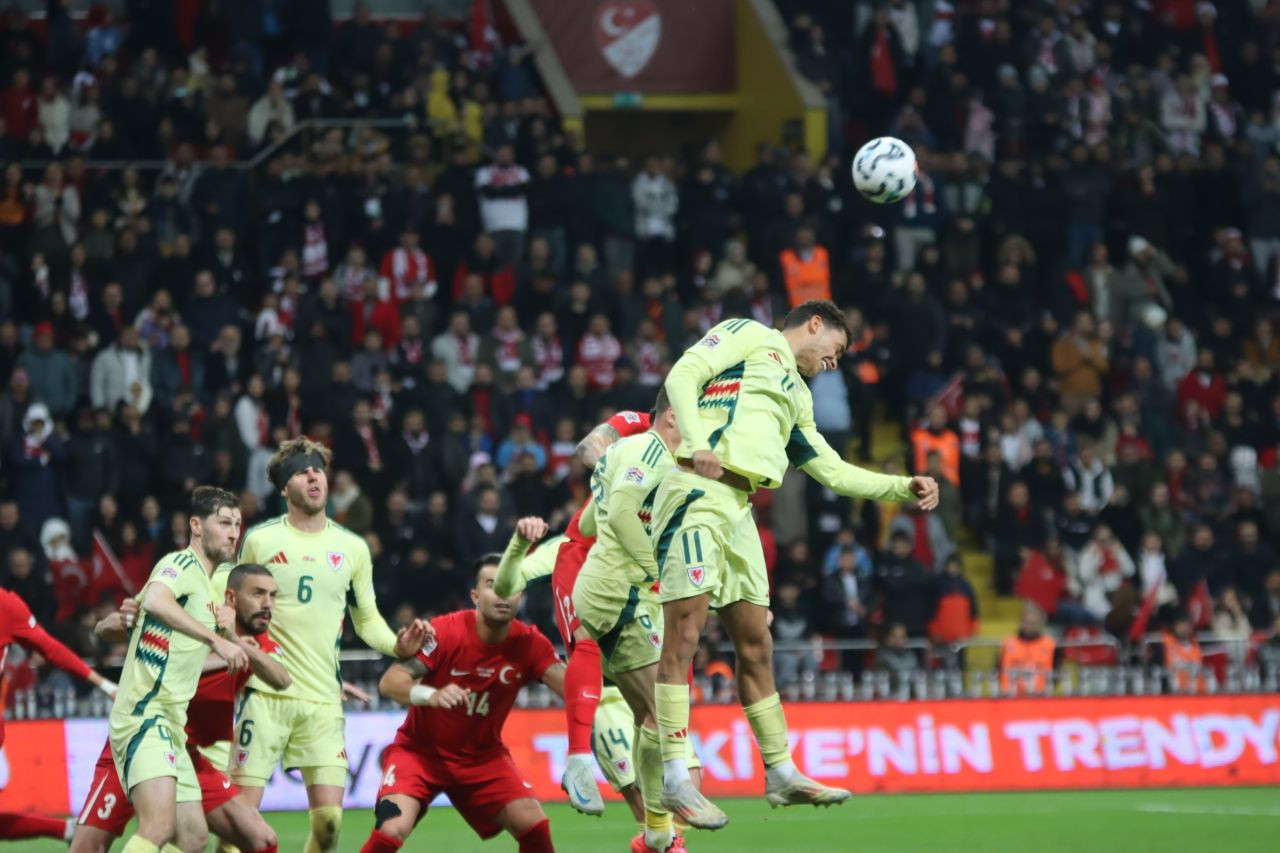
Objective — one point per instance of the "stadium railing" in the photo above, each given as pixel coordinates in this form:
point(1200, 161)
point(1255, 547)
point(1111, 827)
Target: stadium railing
point(942, 674)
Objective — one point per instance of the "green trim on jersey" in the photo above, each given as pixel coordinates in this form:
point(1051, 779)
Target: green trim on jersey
point(669, 532)
point(155, 658)
point(609, 641)
point(799, 451)
point(134, 743)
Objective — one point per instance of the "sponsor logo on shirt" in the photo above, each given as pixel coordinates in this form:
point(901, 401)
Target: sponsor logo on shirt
point(279, 558)
point(634, 475)
point(631, 417)
point(697, 574)
point(336, 559)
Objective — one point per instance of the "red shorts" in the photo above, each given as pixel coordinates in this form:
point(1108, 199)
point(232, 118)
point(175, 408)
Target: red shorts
point(108, 808)
point(569, 560)
point(479, 790)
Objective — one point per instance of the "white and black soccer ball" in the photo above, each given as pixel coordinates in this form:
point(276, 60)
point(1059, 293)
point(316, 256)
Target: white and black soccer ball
point(884, 170)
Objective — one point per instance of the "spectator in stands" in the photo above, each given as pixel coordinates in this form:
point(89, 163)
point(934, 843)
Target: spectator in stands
point(1027, 659)
point(122, 372)
point(1181, 657)
point(1080, 363)
point(806, 268)
point(1018, 527)
point(844, 596)
point(503, 189)
point(791, 625)
point(935, 437)
point(1102, 567)
point(893, 657)
point(903, 587)
point(955, 616)
point(51, 373)
point(656, 202)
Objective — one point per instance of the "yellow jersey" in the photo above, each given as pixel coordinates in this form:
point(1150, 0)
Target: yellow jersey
point(623, 486)
point(738, 393)
point(315, 573)
point(163, 666)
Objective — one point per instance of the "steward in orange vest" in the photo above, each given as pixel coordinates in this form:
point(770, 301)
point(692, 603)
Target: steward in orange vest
point(936, 437)
point(1182, 658)
point(806, 271)
point(1026, 660)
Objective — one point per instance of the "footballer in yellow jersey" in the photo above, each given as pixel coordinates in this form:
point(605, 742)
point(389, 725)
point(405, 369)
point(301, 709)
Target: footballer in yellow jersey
point(318, 566)
point(745, 413)
point(167, 651)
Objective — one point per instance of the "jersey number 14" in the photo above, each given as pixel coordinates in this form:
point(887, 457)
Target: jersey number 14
point(478, 704)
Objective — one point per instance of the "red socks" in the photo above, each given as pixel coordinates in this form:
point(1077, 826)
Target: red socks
point(380, 843)
point(583, 682)
point(274, 848)
point(538, 839)
point(14, 826)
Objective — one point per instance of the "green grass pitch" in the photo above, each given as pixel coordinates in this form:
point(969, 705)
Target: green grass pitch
point(1218, 820)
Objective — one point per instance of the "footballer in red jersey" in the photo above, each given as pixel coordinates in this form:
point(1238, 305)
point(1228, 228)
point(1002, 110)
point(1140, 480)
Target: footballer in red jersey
point(18, 625)
point(251, 594)
point(459, 692)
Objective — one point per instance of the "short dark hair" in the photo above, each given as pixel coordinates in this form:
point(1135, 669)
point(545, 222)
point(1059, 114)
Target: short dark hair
point(238, 575)
point(490, 559)
point(662, 403)
point(208, 500)
point(826, 311)
point(300, 446)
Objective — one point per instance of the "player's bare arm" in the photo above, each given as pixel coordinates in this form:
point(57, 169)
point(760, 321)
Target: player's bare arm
point(400, 684)
point(509, 581)
point(351, 691)
point(595, 443)
point(159, 601)
point(554, 678)
point(411, 638)
point(263, 665)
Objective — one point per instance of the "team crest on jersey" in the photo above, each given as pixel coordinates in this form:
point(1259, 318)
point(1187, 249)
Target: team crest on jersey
point(171, 759)
point(697, 574)
point(710, 341)
point(634, 475)
point(242, 755)
point(336, 559)
point(169, 572)
point(655, 640)
point(631, 417)
point(623, 765)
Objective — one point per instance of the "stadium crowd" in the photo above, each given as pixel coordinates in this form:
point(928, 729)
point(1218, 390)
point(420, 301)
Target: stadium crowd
point(1071, 319)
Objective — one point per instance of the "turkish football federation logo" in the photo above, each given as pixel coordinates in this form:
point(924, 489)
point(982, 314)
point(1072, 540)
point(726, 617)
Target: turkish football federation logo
point(336, 559)
point(697, 574)
point(627, 33)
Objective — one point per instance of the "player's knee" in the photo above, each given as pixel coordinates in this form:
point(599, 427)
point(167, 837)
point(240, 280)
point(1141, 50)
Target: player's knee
point(326, 826)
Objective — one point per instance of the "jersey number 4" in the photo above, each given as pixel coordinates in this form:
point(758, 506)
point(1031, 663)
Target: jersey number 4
point(478, 704)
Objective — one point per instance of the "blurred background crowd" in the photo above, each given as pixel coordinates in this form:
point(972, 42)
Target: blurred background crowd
point(1070, 322)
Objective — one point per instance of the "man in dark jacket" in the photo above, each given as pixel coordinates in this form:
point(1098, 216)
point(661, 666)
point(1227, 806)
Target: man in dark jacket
point(34, 461)
point(904, 586)
point(90, 473)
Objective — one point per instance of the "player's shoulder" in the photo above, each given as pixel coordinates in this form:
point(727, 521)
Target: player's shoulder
point(528, 635)
point(266, 528)
point(12, 605)
point(175, 562)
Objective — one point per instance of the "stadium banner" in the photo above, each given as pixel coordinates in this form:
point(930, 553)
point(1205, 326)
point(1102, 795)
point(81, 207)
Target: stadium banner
point(872, 747)
point(651, 46)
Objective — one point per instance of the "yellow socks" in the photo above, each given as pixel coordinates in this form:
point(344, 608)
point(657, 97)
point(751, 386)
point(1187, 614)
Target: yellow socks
point(673, 719)
point(770, 726)
point(171, 848)
point(138, 844)
point(326, 824)
point(648, 759)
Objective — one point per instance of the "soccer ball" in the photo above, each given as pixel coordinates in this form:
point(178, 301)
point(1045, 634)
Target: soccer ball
point(884, 170)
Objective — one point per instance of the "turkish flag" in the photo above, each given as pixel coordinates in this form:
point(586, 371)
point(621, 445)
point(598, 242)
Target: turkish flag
point(106, 575)
point(1140, 622)
point(70, 583)
point(1200, 606)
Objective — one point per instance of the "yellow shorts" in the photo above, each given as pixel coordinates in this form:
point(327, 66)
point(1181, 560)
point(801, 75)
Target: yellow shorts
point(625, 620)
point(275, 730)
point(219, 754)
point(611, 734)
point(706, 542)
point(151, 747)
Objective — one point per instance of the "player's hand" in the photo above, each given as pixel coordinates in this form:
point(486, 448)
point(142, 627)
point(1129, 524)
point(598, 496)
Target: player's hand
point(531, 528)
point(231, 652)
point(411, 639)
point(449, 696)
point(226, 619)
point(129, 613)
point(350, 691)
point(707, 464)
point(926, 491)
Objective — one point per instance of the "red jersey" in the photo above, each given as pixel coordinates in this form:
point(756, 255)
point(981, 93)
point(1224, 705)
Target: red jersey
point(626, 424)
point(493, 672)
point(211, 712)
point(18, 625)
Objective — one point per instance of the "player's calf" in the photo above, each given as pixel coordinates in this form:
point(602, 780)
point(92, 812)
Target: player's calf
point(394, 817)
point(243, 827)
point(18, 826)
